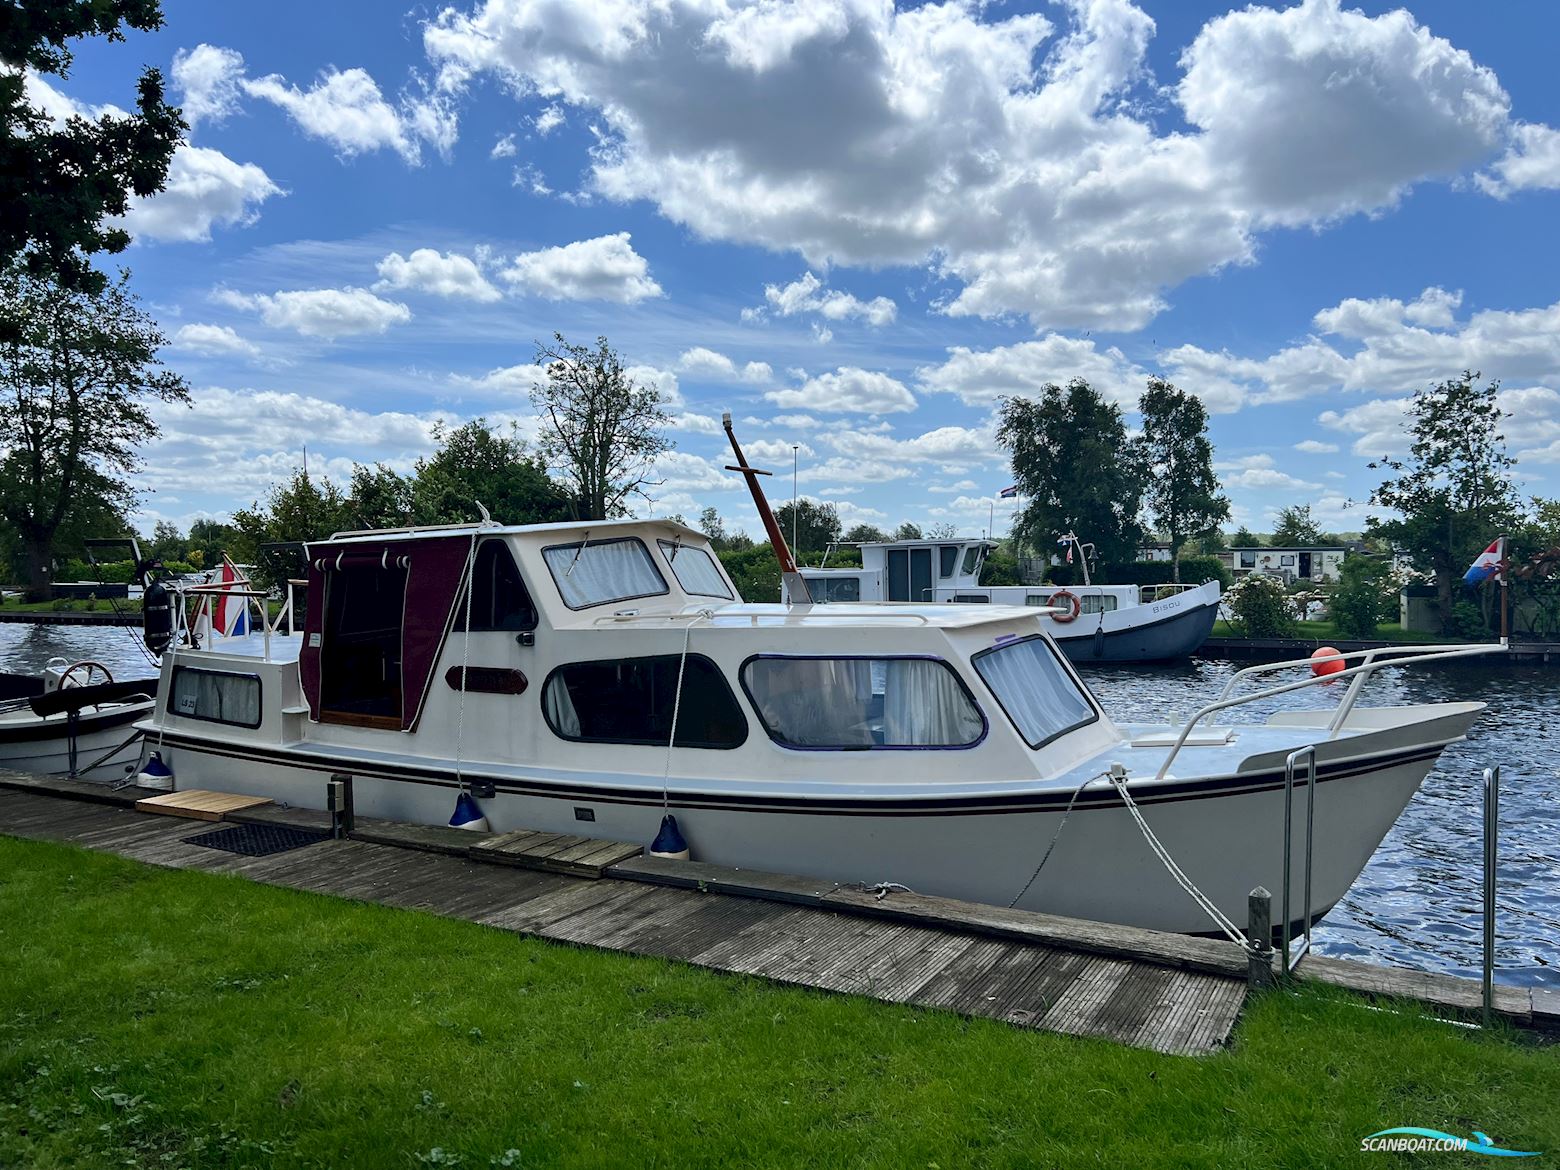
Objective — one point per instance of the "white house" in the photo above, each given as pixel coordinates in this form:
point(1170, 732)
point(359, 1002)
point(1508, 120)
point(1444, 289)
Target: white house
point(1301, 563)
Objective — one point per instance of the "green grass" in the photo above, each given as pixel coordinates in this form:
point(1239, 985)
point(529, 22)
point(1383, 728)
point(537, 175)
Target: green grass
point(1327, 632)
point(71, 605)
point(167, 1018)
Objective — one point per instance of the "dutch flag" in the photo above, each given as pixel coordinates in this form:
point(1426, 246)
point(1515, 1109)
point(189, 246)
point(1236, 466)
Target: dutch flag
point(1487, 565)
point(1008, 493)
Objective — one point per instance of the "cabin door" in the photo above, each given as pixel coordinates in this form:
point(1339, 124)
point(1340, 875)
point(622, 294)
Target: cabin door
point(910, 574)
point(1305, 566)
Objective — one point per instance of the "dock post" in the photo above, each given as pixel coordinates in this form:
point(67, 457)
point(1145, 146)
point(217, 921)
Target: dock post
point(1491, 839)
point(338, 798)
point(1259, 932)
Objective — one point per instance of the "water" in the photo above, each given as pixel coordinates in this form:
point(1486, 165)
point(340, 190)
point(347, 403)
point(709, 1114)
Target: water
point(1419, 901)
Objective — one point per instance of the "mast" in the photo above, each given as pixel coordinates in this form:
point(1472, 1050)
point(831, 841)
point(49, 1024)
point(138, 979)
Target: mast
point(795, 584)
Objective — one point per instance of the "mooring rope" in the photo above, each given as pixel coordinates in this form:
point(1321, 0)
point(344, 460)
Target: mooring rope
point(465, 652)
point(1077, 792)
point(671, 738)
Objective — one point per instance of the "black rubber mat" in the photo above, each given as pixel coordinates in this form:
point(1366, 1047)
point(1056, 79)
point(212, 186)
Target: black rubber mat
point(257, 840)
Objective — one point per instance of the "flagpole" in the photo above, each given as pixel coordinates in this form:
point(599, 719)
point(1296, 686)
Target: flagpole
point(1505, 596)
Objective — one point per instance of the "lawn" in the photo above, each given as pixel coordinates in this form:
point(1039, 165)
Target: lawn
point(1327, 632)
point(166, 1018)
point(71, 605)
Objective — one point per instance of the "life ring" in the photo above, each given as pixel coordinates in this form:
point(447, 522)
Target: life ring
point(1072, 599)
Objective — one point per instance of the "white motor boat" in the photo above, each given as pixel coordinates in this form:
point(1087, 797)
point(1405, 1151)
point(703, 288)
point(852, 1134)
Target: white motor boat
point(73, 719)
point(1089, 622)
point(591, 678)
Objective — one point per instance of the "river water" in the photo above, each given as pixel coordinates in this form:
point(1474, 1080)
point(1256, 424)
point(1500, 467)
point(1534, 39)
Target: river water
point(1418, 903)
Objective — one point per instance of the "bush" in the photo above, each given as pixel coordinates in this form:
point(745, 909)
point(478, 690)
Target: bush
point(1197, 570)
point(1468, 621)
point(1260, 608)
point(1194, 571)
point(1364, 598)
point(60, 604)
point(754, 571)
point(1062, 575)
point(1000, 569)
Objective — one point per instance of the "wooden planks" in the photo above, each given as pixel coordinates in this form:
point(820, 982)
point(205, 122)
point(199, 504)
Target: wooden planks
point(556, 852)
point(1442, 991)
point(198, 804)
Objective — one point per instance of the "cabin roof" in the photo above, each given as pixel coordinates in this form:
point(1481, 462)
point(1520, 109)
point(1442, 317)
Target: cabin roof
point(587, 528)
point(835, 616)
point(927, 542)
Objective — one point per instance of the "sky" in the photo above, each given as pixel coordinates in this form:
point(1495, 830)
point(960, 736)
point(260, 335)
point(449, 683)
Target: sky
point(854, 225)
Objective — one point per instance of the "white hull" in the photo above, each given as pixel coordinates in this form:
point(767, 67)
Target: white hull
point(43, 745)
point(1228, 839)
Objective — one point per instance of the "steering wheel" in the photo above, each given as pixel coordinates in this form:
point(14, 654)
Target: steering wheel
point(87, 669)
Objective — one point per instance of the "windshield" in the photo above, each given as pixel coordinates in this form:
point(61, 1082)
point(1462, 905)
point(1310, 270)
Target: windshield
point(1034, 689)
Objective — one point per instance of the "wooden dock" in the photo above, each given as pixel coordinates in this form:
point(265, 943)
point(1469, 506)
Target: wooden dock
point(793, 930)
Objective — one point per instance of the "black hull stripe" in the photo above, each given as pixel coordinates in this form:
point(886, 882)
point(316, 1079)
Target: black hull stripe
point(1243, 784)
point(41, 734)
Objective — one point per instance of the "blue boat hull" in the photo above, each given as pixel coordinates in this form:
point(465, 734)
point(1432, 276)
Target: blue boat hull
point(1177, 636)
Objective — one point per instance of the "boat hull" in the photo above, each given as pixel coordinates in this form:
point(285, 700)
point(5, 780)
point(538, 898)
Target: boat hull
point(1226, 832)
point(1140, 634)
point(42, 745)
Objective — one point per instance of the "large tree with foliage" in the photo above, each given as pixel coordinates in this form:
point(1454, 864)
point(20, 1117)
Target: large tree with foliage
point(79, 373)
point(64, 181)
point(1183, 491)
point(816, 524)
point(864, 534)
point(601, 430)
point(1294, 527)
point(476, 464)
point(1452, 492)
point(1074, 466)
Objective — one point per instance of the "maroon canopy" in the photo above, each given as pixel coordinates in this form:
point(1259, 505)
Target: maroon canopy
point(435, 567)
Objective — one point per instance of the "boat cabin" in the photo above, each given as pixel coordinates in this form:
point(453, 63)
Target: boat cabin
point(906, 570)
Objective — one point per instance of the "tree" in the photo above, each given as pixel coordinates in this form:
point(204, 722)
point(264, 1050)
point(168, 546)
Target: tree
point(1245, 538)
point(908, 531)
point(943, 531)
point(603, 431)
point(380, 497)
point(1183, 491)
point(78, 374)
point(864, 534)
point(1074, 466)
point(1295, 528)
point(62, 183)
point(1453, 491)
point(299, 510)
point(817, 524)
point(476, 464)
point(1365, 597)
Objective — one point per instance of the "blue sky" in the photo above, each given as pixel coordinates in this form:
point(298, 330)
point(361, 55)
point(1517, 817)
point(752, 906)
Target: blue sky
point(852, 226)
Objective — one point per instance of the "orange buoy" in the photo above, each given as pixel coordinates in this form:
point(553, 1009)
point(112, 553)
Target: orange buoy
point(1326, 660)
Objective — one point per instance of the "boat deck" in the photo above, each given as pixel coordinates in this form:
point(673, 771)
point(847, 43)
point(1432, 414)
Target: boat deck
point(1162, 992)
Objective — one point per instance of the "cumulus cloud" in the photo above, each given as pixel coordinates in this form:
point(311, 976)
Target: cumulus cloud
point(213, 340)
point(807, 294)
point(322, 312)
point(602, 269)
point(205, 189)
point(504, 148)
point(707, 364)
point(1316, 447)
point(346, 109)
point(1380, 427)
point(443, 274)
point(1017, 158)
point(548, 120)
point(207, 79)
point(847, 390)
point(980, 377)
point(1531, 162)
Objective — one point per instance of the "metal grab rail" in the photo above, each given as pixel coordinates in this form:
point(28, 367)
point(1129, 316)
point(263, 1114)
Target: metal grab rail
point(1307, 753)
point(1346, 704)
point(1491, 845)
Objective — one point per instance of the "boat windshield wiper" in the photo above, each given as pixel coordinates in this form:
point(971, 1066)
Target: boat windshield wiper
point(579, 552)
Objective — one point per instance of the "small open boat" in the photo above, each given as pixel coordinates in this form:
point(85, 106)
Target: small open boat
point(592, 678)
point(74, 719)
point(1088, 622)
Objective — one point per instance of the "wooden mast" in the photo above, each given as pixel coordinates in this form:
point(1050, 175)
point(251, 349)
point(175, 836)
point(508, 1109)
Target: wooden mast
point(795, 584)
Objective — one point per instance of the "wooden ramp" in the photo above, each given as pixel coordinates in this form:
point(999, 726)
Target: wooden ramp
point(197, 804)
point(1031, 971)
point(557, 852)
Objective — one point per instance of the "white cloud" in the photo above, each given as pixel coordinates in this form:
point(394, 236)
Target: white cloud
point(980, 377)
point(602, 269)
point(1531, 162)
point(949, 446)
point(207, 78)
point(707, 364)
point(213, 340)
point(442, 274)
point(807, 294)
point(1268, 479)
point(548, 120)
point(504, 147)
point(345, 109)
point(1531, 426)
point(849, 389)
point(205, 189)
point(323, 312)
point(1316, 447)
point(1023, 164)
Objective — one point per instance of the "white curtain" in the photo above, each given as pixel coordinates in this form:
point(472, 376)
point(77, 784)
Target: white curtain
point(924, 706)
point(1033, 689)
point(594, 574)
point(814, 702)
point(560, 707)
point(225, 698)
point(696, 573)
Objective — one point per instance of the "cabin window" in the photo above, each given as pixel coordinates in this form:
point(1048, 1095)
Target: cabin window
point(971, 599)
point(596, 572)
point(971, 559)
point(1248, 559)
point(828, 589)
point(215, 696)
point(360, 658)
point(947, 559)
point(862, 703)
point(630, 700)
point(1034, 689)
point(1097, 603)
point(695, 570)
point(1037, 599)
point(499, 598)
